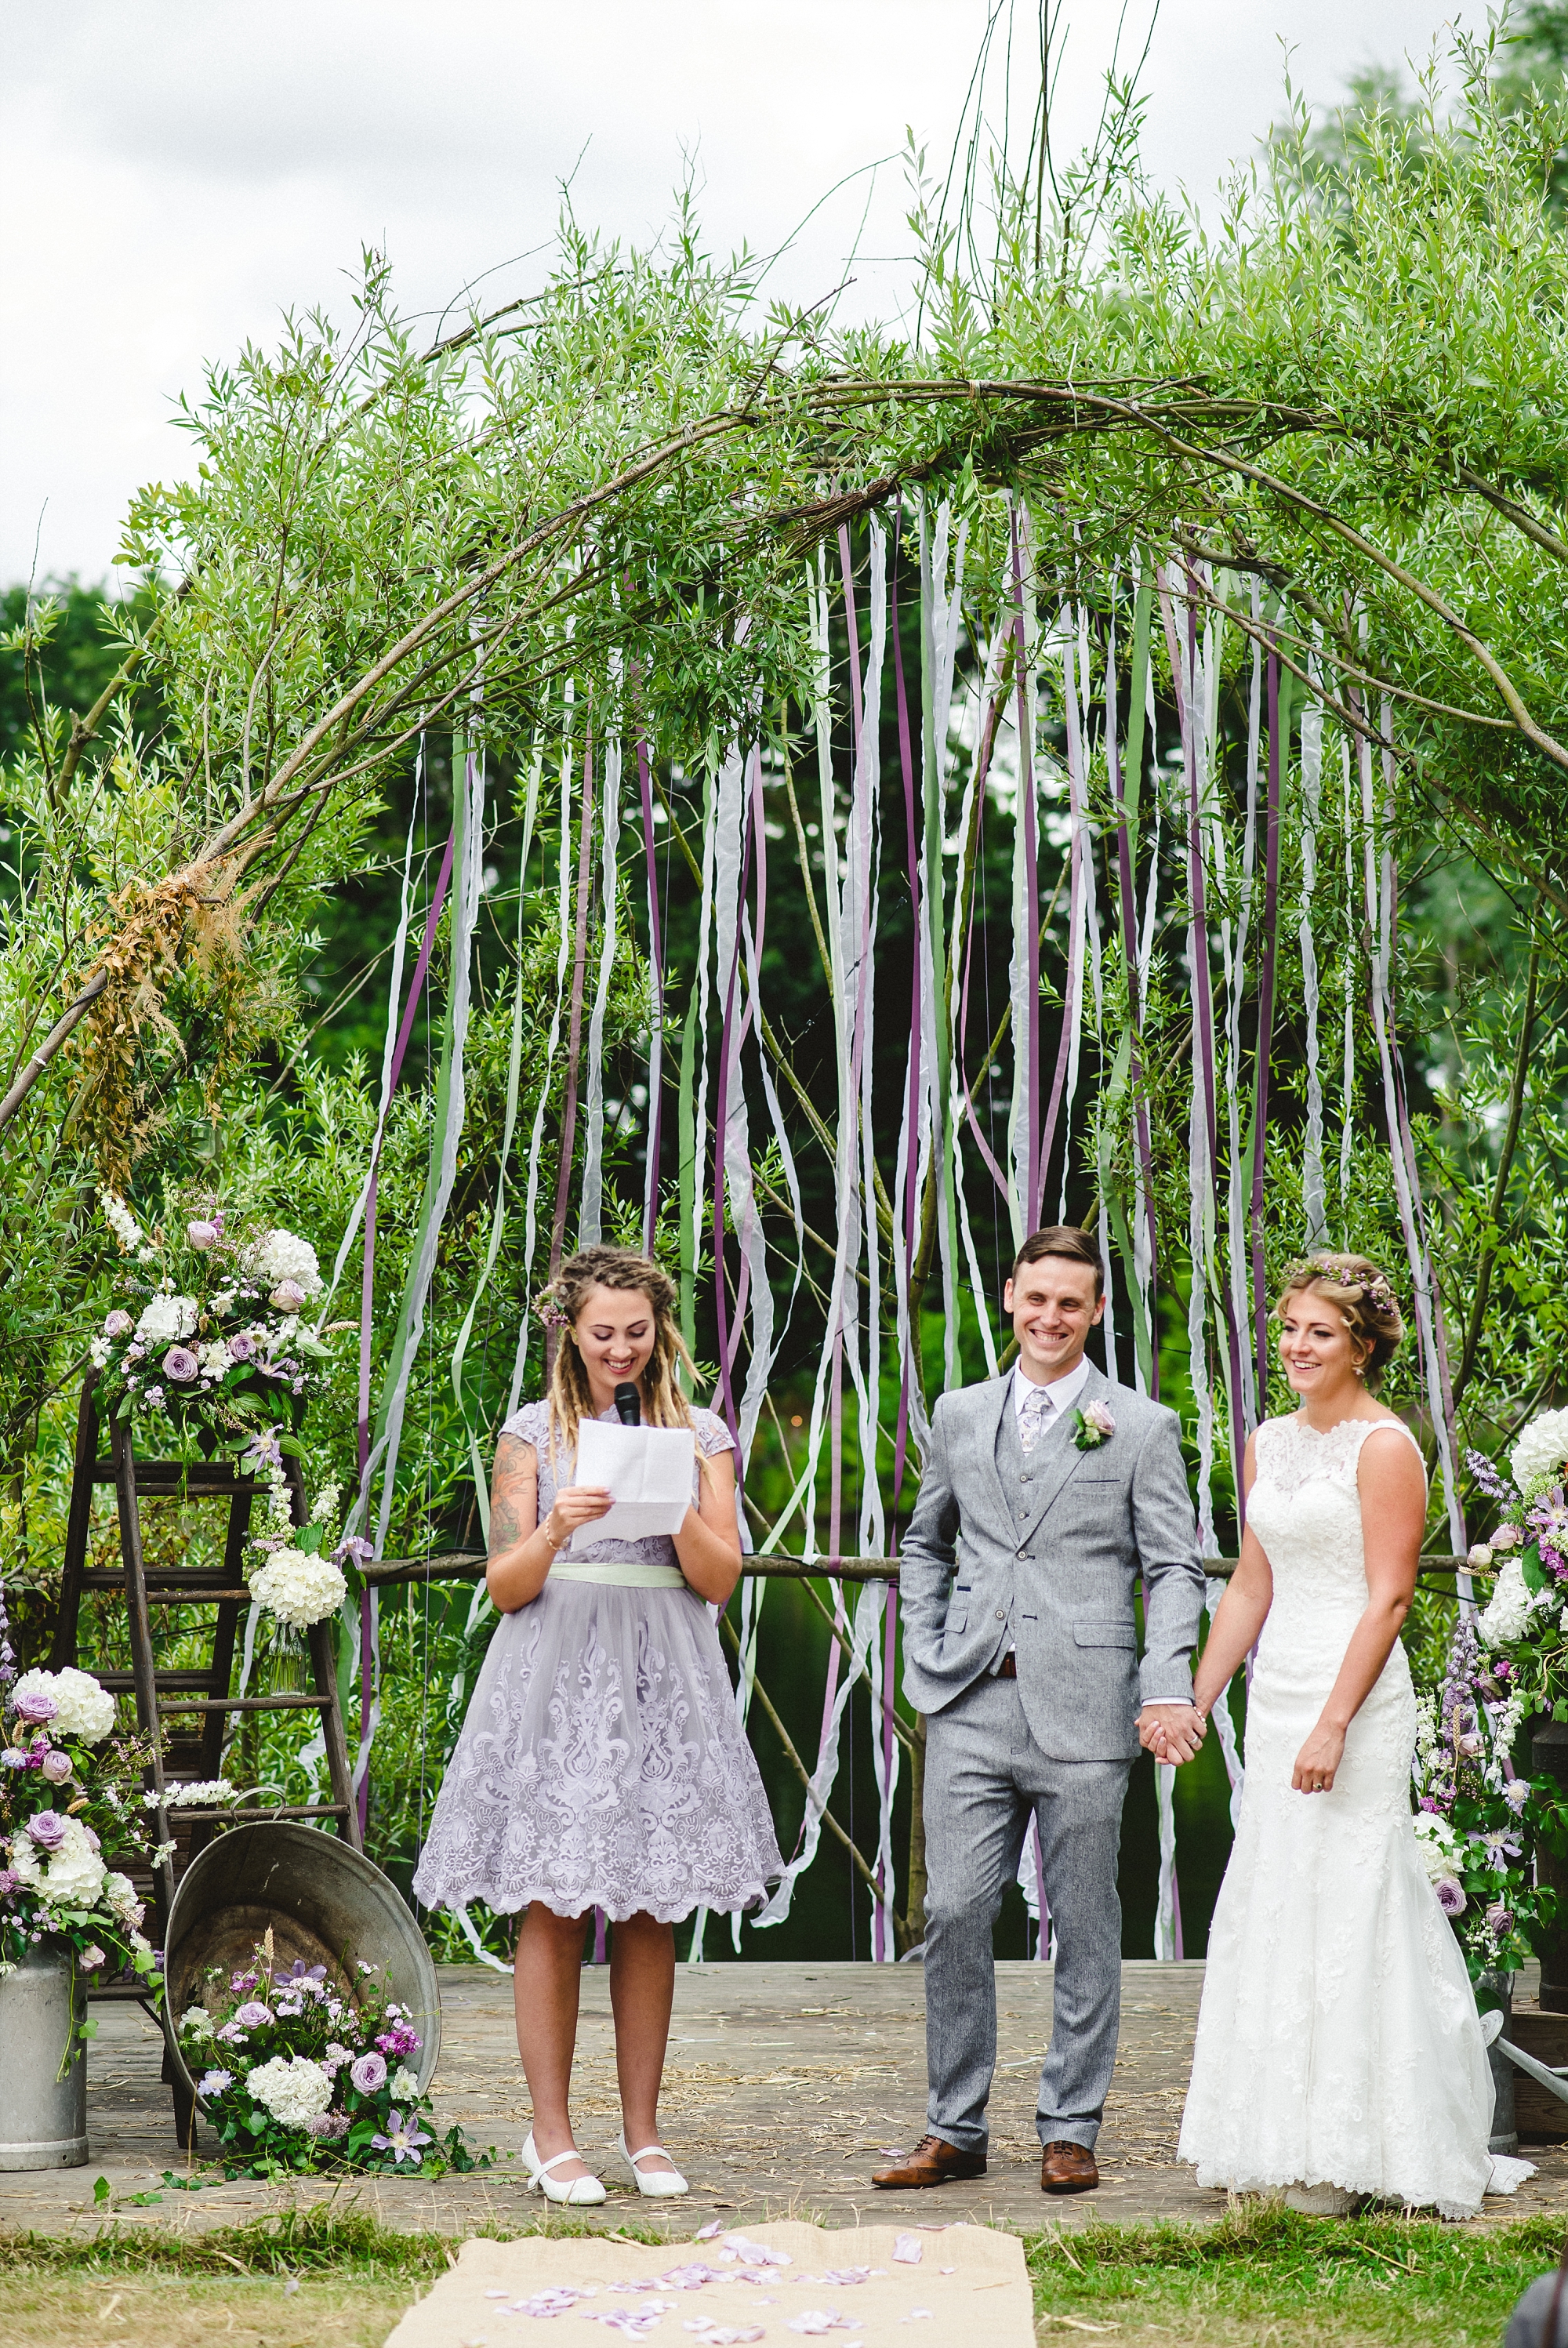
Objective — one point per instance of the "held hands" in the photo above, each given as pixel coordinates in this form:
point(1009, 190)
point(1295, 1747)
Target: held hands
point(1172, 1732)
point(1318, 1760)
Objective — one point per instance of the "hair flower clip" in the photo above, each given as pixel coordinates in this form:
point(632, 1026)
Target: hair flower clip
point(547, 1309)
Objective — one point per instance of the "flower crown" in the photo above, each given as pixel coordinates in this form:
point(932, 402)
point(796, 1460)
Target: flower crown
point(1375, 1293)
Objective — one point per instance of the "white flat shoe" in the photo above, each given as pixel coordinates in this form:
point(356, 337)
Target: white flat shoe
point(663, 2184)
point(578, 2190)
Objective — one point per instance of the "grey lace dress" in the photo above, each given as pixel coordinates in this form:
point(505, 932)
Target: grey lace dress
point(601, 1763)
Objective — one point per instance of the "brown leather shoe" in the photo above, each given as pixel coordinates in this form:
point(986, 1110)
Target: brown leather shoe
point(1068, 2169)
point(934, 2162)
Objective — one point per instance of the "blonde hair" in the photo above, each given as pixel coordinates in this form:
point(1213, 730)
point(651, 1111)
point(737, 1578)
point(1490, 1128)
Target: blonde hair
point(561, 1306)
point(1364, 1295)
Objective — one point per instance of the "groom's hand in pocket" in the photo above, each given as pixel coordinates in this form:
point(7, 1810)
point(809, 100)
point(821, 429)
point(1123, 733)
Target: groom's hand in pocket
point(1172, 1732)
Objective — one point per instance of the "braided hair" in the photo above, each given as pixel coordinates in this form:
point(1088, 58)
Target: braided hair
point(559, 1306)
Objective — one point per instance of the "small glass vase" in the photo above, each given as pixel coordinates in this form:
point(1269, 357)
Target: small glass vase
point(288, 1661)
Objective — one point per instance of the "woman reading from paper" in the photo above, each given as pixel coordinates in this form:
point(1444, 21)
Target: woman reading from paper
point(601, 1763)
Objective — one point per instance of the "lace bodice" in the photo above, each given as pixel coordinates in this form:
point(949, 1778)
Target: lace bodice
point(531, 1424)
point(1306, 1509)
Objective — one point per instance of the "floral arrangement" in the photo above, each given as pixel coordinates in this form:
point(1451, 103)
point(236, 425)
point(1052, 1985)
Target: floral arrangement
point(1093, 1427)
point(292, 1575)
point(1479, 1823)
point(300, 2070)
point(71, 1804)
point(206, 1334)
point(1476, 1821)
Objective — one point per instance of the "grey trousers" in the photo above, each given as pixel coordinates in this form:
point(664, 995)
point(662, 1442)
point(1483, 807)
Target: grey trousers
point(984, 1778)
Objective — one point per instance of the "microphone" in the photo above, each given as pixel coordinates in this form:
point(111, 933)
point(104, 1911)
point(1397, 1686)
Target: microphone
point(628, 1404)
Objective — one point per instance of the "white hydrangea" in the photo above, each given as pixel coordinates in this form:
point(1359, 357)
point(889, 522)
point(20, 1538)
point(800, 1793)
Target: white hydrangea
point(1506, 1616)
point(1542, 1451)
point(118, 1896)
point(292, 2088)
point(1434, 1842)
point(201, 1792)
point(280, 1255)
point(74, 1875)
point(82, 1708)
point(297, 1588)
point(167, 1320)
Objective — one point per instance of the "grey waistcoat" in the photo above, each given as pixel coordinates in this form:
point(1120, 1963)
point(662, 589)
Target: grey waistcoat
point(1045, 1552)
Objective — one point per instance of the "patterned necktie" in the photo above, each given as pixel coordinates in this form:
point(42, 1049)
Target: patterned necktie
point(1032, 1417)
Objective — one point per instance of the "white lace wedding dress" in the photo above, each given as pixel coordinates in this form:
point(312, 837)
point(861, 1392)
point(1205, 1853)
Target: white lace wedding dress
point(1338, 2043)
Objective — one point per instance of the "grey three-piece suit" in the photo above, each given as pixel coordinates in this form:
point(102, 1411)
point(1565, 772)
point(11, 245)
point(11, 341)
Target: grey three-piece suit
point(1040, 1552)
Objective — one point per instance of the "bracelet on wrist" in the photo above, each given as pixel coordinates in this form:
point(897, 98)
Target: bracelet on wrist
point(555, 1544)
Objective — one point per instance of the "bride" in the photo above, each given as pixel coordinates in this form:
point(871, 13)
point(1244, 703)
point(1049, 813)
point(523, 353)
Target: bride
point(1340, 2052)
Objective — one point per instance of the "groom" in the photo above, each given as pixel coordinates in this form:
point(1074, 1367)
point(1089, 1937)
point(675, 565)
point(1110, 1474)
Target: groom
point(1047, 1494)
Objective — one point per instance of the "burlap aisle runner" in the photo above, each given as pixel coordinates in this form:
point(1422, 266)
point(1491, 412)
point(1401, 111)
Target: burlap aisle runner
point(878, 2285)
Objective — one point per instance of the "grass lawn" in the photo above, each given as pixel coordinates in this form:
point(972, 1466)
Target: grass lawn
point(1260, 2279)
point(1268, 2279)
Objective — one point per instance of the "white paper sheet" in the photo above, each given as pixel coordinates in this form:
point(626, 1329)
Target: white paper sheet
point(649, 1472)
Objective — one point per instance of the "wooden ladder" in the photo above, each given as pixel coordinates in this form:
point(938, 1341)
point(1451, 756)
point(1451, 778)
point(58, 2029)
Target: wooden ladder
point(194, 1754)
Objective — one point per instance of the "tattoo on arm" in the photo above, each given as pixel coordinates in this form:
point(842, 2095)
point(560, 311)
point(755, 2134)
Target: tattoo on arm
point(514, 1494)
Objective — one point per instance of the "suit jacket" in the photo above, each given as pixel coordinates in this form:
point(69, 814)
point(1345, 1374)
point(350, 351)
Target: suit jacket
point(1051, 1567)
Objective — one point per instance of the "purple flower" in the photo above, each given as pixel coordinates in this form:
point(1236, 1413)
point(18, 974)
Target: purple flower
point(118, 1324)
point(203, 1235)
point(399, 2141)
point(9, 1880)
point(300, 1972)
point(328, 2125)
point(213, 2082)
point(253, 2014)
point(241, 1347)
point(48, 1829)
point(238, 1982)
point(398, 2040)
point(355, 1547)
point(288, 1296)
point(369, 2074)
point(35, 1707)
point(57, 1768)
point(154, 1395)
point(181, 1365)
point(91, 1958)
point(1499, 1920)
point(1516, 1794)
point(1452, 1896)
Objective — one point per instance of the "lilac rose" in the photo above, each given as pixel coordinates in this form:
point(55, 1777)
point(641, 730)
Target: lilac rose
point(57, 1768)
point(287, 1296)
point(48, 1829)
point(240, 1348)
point(35, 1707)
point(203, 1235)
point(1499, 1920)
point(370, 2073)
point(118, 1324)
point(1452, 1896)
point(181, 1365)
point(253, 2014)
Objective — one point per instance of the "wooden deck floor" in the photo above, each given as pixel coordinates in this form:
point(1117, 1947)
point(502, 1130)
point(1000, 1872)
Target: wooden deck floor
point(786, 2086)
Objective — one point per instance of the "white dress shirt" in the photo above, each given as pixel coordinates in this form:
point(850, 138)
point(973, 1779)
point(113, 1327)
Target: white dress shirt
point(1061, 1395)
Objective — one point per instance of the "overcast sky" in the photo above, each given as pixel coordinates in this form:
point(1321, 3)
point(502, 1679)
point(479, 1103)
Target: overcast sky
point(176, 173)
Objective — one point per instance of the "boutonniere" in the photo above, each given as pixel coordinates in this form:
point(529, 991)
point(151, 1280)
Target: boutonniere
point(1093, 1427)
